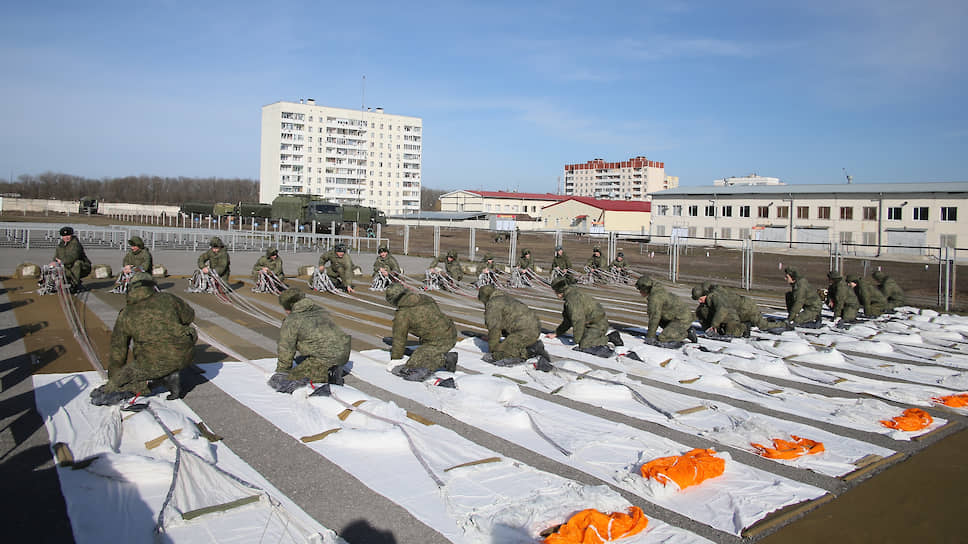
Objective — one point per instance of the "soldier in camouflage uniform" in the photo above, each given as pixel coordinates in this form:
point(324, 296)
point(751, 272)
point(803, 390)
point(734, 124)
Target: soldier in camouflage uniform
point(595, 262)
point(508, 317)
point(340, 269)
point(561, 260)
point(869, 296)
point(667, 311)
point(451, 265)
point(70, 254)
point(890, 289)
point(841, 298)
point(159, 327)
point(270, 262)
point(525, 262)
point(323, 347)
point(138, 257)
point(583, 314)
point(802, 302)
point(215, 259)
point(620, 267)
point(386, 262)
point(716, 313)
point(747, 310)
point(418, 314)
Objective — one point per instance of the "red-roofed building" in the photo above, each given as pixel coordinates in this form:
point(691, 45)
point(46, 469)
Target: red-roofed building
point(503, 202)
point(586, 214)
point(633, 179)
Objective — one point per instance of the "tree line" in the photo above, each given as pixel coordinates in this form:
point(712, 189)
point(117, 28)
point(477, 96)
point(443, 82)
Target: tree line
point(143, 189)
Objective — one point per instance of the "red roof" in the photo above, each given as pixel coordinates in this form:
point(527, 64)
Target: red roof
point(599, 164)
point(609, 205)
point(519, 196)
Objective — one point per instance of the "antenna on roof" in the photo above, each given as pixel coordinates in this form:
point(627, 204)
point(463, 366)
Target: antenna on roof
point(849, 177)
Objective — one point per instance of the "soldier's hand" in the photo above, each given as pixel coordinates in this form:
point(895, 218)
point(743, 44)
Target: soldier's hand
point(265, 269)
point(205, 270)
point(127, 269)
point(711, 330)
point(551, 335)
point(349, 289)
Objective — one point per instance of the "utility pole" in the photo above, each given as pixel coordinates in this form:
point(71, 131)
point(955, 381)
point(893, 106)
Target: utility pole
point(850, 178)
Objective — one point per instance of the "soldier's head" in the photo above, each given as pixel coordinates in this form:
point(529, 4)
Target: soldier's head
point(559, 249)
point(644, 284)
point(66, 233)
point(791, 274)
point(489, 259)
point(698, 292)
point(340, 249)
point(561, 284)
point(852, 279)
point(395, 292)
point(141, 279)
point(526, 253)
point(619, 256)
point(136, 243)
point(484, 293)
point(597, 251)
point(834, 276)
point(878, 276)
point(272, 253)
point(451, 255)
point(216, 244)
point(289, 297)
point(383, 251)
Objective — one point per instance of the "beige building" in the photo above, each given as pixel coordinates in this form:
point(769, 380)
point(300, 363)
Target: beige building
point(584, 214)
point(349, 156)
point(504, 202)
point(633, 179)
point(751, 179)
point(869, 219)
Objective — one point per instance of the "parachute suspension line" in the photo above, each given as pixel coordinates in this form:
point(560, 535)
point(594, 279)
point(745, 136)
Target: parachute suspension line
point(269, 282)
point(205, 337)
point(635, 394)
point(74, 320)
point(539, 432)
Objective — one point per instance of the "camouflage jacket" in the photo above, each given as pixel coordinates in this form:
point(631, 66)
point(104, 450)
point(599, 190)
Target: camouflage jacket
point(892, 292)
point(664, 307)
point(746, 308)
point(619, 264)
point(219, 262)
point(274, 266)
point(595, 262)
point(526, 263)
point(453, 268)
point(504, 313)
point(870, 297)
point(309, 330)
point(720, 306)
point(389, 263)
point(140, 259)
point(338, 267)
point(804, 298)
point(70, 252)
point(561, 261)
point(841, 296)
point(581, 310)
point(418, 314)
point(158, 325)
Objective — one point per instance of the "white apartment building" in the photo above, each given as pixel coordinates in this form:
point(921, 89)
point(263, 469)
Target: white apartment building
point(871, 218)
point(633, 179)
point(367, 157)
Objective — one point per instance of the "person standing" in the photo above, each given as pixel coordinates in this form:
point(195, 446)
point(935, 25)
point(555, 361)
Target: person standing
point(70, 254)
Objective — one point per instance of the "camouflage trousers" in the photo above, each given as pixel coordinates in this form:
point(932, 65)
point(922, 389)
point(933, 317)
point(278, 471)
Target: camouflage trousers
point(594, 335)
point(805, 315)
point(848, 313)
point(514, 345)
point(78, 270)
point(315, 367)
point(431, 355)
point(135, 376)
point(674, 330)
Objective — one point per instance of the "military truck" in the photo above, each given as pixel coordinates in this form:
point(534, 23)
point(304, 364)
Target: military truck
point(88, 205)
point(302, 210)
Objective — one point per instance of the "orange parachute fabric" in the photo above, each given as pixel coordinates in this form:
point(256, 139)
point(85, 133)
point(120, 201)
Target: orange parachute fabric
point(913, 419)
point(593, 527)
point(954, 401)
point(789, 449)
point(691, 468)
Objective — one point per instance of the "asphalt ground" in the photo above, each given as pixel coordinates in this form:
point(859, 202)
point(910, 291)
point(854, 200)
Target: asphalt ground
point(915, 497)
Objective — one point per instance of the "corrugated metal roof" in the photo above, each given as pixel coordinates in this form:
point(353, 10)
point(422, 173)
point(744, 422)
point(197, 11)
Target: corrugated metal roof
point(827, 188)
point(442, 216)
point(608, 205)
point(521, 196)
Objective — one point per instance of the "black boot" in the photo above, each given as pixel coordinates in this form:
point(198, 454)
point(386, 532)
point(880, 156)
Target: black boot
point(615, 338)
point(537, 349)
point(634, 356)
point(691, 335)
point(450, 361)
point(173, 384)
point(543, 364)
point(334, 375)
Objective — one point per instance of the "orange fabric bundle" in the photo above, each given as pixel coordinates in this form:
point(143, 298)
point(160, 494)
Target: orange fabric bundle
point(954, 401)
point(787, 449)
point(593, 527)
point(691, 468)
point(913, 419)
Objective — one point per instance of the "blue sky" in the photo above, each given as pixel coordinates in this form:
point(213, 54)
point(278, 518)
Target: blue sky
point(509, 92)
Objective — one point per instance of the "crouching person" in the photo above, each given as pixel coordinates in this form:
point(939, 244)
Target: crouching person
point(585, 315)
point(323, 347)
point(418, 314)
point(667, 311)
point(158, 326)
point(508, 317)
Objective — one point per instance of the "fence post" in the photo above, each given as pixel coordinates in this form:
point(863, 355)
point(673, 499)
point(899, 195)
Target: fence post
point(436, 240)
point(406, 239)
point(512, 247)
point(472, 244)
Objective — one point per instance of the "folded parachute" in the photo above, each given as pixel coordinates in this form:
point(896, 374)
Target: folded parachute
point(594, 527)
point(913, 419)
point(691, 468)
point(953, 401)
point(789, 449)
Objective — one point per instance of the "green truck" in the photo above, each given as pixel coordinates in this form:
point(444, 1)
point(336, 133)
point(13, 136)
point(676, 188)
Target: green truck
point(303, 210)
point(88, 205)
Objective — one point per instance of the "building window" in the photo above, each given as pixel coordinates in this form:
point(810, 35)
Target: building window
point(677, 211)
point(744, 234)
point(869, 238)
point(661, 209)
point(870, 213)
point(726, 233)
point(707, 232)
point(660, 230)
point(949, 240)
point(846, 213)
point(744, 211)
point(949, 213)
point(803, 212)
point(894, 214)
point(823, 212)
point(763, 211)
point(846, 237)
point(727, 211)
point(693, 211)
point(692, 232)
point(783, 212)
point(710, 211)
point(921, 214)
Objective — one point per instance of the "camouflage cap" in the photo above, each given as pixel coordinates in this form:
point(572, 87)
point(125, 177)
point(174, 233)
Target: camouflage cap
point(216, 242)
point(792, 272)
point(485, 292)
point(67, 231)
point(851, 278)
point(878, 275)
point(596, 249)
point(452, 254)
point(560, 284)
point(271, 251)
point(340, 247)
point(559, 248)
point(136, 241)
point(697, 292)
point(620, 254)
point(141, 279)
point(834, 275)
point(644, 283)
point(525, 252)
point(289, 297)
point(383, 249)
point(395, 292)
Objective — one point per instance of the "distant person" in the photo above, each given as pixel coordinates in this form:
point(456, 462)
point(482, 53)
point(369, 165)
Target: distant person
point(451, 265)
point(216, 259)
point(595, 262)
point(585, 316)
point(890, 289)
point(667, 311)
point(802, 302)
point(525, 262)
point(419, 315)
point(841, 298)
point(869, 296)
point(138, 258)
point(561, 262)
point(70, 254)
point(323, 347)
point(340, 269)
point(385, 263)
point(271, 262)
point(158, 326)
point(620, 267)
